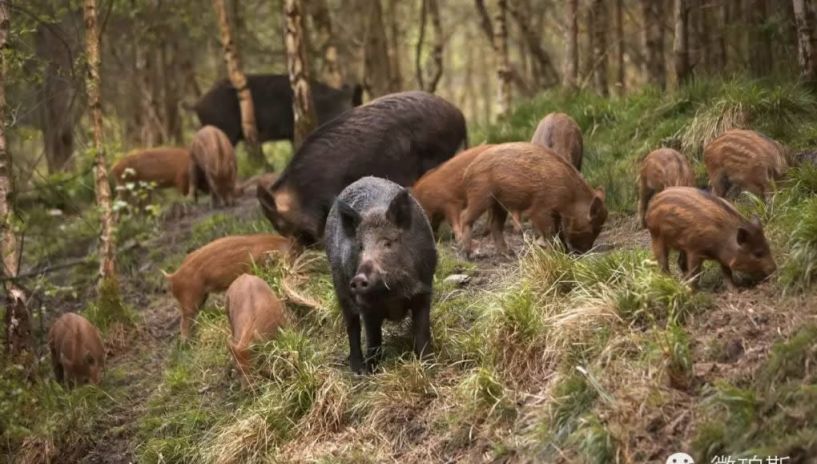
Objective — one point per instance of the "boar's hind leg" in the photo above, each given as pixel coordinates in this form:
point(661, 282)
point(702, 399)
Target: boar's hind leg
point(498, 217)
point(421, 325)
point(682, 262)
point(477, 204)
point(374, 339)
point(55, 361)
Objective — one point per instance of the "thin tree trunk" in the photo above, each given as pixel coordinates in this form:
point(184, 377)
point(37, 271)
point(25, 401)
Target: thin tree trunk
point(430, 8)
point(239, 81)
point(806, 39)
point(719, 60)
point(620, 71)
point(331, 74)
point(760, 44)
point(652, 13)
point(503, 59)
point(599, 31)
point(395, 42)
point(302, 104)
point(571, 65)
point(18, 342)
point(377, 72)
point(108, 290)
point(680, 43)
point(532, 39)
point(171, 71)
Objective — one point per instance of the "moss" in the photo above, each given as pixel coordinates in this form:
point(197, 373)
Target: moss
point(109, 309)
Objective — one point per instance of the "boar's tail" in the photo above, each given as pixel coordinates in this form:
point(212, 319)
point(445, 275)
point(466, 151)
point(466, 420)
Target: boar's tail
point(164, 273)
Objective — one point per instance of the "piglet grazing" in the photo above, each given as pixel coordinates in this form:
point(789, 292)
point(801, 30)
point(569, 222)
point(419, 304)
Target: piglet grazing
point(702, 226)
point(383, 257)
point(76, 348)
point(743, 160)
point(214, 165)
point(255, 314)
point(660, 169)
point(164, 166)
point(560, 133)
point(213, 267)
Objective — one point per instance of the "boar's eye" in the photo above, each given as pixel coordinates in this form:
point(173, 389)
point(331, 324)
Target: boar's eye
point(387, 243)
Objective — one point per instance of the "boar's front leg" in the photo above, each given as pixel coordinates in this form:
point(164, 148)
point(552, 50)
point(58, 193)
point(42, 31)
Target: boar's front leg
point(353, 332)
point(421, 325)
point(374, 339)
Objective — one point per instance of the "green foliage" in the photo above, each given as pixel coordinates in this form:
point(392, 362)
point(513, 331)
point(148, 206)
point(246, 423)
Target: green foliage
point(109, 309)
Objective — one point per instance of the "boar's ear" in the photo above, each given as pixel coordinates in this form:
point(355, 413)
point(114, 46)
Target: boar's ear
point(596, 205)
point(349, 218)
point(600, 193)
point(742, 236)
point(267, 202)
point(399, 212)
point(756, 221)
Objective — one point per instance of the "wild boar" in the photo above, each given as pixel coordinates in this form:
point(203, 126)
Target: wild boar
point(703, 226)
point(743, 160)
point(272, 99)
point(164, 166)
point(560, 133)
point(255, 314)
point(213, 267)
point(660, 169)
point(77, 353)
point(213, 159)
point(441, 191)
point(398, 137)
point(383, 257)
point(547, 189)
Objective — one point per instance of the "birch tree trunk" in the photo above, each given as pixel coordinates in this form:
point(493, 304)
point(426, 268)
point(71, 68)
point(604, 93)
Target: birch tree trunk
point(108, 290)
point(503, 59)
point(18, 341)
point(571, 66)
point(303, 109)
point(239, 81)
point(680, 43)
point(806, 41)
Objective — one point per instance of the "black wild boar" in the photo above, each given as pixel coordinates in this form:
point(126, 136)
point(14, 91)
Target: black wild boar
point(383, 257)
point(398, 137)
point(272, 98)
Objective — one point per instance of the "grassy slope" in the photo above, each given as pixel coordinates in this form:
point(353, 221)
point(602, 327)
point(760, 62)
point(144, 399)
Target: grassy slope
point(550, 358)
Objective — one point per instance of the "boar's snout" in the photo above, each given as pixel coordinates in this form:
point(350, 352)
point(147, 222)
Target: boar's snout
point(364, 280)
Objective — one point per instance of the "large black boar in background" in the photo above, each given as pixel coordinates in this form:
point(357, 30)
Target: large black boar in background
point(397, 137)
point(272, 99)
point(383, 257)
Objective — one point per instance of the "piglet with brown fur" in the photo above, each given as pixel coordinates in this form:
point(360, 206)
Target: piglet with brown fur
point(213, 267)
point(560, 133)
point(76, 348)
point(542, 185)
point(255, 314)
point(660, 169)
point(702, 226)
point(214, 160)
point(164, 166)
point(743, 160)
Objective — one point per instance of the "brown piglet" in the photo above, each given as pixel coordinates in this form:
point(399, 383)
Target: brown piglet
point(214, 161)
point(213, 267)
point(255, 314)
point(165, 166)
point(743, 160)
point(703, 226)
point(560, 133)
point(542, 185)
point(660, 169)
point(77, 353)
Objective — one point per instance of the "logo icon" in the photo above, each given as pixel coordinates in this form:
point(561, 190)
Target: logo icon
point(680, 458)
